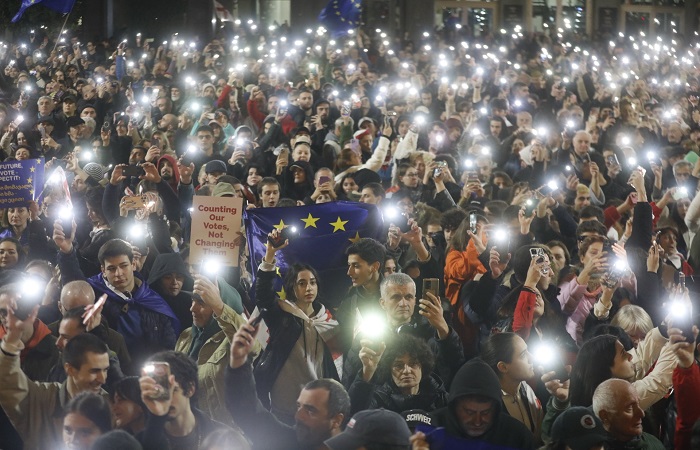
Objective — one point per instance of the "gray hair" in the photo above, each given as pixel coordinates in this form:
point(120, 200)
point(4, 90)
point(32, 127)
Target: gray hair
point(339, 122)
point(680, 164)
point(633, 318)
point(396, 279)
point(605, 395)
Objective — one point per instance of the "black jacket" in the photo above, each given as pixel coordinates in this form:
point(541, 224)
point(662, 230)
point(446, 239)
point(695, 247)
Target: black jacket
point(477, 378)
point(165, 264)
point(431, 396)
point(263, 429)
point(285, 330)
point(154, 437)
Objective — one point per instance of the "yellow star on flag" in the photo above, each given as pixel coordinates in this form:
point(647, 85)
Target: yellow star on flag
point(32, 169)
point(38, 160)
point(29, 180)
point(339, 224)
point(277, 271)
point(31, 192)
point(356, 238)
point(310, 221)
point(281, 226)
point(281, 294)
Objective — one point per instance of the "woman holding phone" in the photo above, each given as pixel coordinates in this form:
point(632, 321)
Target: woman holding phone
point(302, 332)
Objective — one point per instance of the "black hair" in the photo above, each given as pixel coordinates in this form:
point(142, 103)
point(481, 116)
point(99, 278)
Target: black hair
point(75, 314)
point(604, 329)
point(76, 348)
point(94, 408)
point(114, 248)
point(592, 367)
point(129, 388)
point(376, 188)
point(93, 199)
point(498, 347)
point(182, 367)
point(452, 218)
point(593, 211)
point(591, 226)
point(206, 128)
point(21, 253)
point(406, 344)
point(290, 279)
point(338, 398)
point(369, 250)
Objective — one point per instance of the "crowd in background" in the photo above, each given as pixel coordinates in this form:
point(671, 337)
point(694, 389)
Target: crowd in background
point(533, 285)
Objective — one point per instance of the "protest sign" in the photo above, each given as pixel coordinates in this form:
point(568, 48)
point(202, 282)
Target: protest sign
point(216, 223)
point(19, 181)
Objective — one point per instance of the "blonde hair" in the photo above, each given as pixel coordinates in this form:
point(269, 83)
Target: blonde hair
point(633, 318)
point(582, 189)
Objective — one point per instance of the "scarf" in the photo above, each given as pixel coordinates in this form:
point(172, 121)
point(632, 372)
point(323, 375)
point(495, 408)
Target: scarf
point(323, 322)
point(202, 335)
point(40, 332)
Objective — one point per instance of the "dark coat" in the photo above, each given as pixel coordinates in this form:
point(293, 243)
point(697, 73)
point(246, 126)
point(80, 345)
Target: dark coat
point(285, 330)
point(431, 396)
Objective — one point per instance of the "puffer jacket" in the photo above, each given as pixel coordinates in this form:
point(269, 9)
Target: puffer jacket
point(431, 396)
point(212, 361)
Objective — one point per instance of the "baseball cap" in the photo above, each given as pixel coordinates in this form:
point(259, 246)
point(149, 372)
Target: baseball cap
point(416, 417)
point(70, 98)
point(215, 166)
point(46, 119)
point(302, 139)
point(374, 426)
point(223, 190)
point(579, 428)
point(360, 133)
point(74, 121)
point(363, 121)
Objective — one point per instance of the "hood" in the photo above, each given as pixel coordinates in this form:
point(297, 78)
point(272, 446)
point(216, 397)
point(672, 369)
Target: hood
point(176, 172)
point(475, 378)
point(167, 263)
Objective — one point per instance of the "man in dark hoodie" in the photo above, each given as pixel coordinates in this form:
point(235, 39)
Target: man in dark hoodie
point(168, 277)
point(167, 168)
point(474, 414)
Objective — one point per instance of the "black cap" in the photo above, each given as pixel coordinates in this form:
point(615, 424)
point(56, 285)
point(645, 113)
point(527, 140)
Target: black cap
point(69, 98)
point(74, 121)
point(215, 166)
point(374, 426)
point(46, 119)
point(579, 429)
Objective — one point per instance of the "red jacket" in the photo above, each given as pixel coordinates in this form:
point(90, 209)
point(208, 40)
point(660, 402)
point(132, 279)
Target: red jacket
point(686, 383)
point(524, 313)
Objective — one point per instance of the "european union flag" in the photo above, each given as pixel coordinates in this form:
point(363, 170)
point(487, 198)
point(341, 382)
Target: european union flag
point(325, 231)
point(62, 6)
point(19, 181)
point(339, 16)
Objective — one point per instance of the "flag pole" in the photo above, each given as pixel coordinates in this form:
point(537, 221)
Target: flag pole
point(60, 33)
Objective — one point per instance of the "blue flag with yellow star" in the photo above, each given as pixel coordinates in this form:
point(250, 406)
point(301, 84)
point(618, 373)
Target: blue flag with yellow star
point(325, 231)
point(339, 16)
point(19, 181)
point(62, 6)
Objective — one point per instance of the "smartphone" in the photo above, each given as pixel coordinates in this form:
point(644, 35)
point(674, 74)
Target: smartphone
point(431, 285)
point(586, 158)
point(106, 126)
point(133, 171)
point(401, 221)
point(156, 142)
point(258, 318)
point(323, 180)
point(472, 177)
point(472, 222)
point(612, 161)
point(355, 145)
point(160, 372)
point(286, 233)
point(539, 256)
point(345, 110)
point(681, 280)
point(136, 201)
point(95, 308)
point(530, 206)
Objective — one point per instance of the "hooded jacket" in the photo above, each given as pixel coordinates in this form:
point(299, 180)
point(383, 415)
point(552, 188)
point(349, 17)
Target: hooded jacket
point(298, 191)
point(175, 181)
point(477, 378)
point(167, 263)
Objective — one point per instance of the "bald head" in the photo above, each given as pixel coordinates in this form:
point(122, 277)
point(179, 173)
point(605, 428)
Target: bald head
point(75, 294)
point(606, 394)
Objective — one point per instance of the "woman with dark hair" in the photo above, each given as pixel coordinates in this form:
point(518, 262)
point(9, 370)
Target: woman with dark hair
point(127, 406)
point(600, 358)
point(24, 225)
point(405, 368)
point(302, 333)
point(346, 187)
point(12, 255)
point(87, 417)
point(508, 356)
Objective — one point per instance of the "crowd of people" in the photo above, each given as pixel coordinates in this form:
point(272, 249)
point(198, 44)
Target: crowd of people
point(533, 285)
